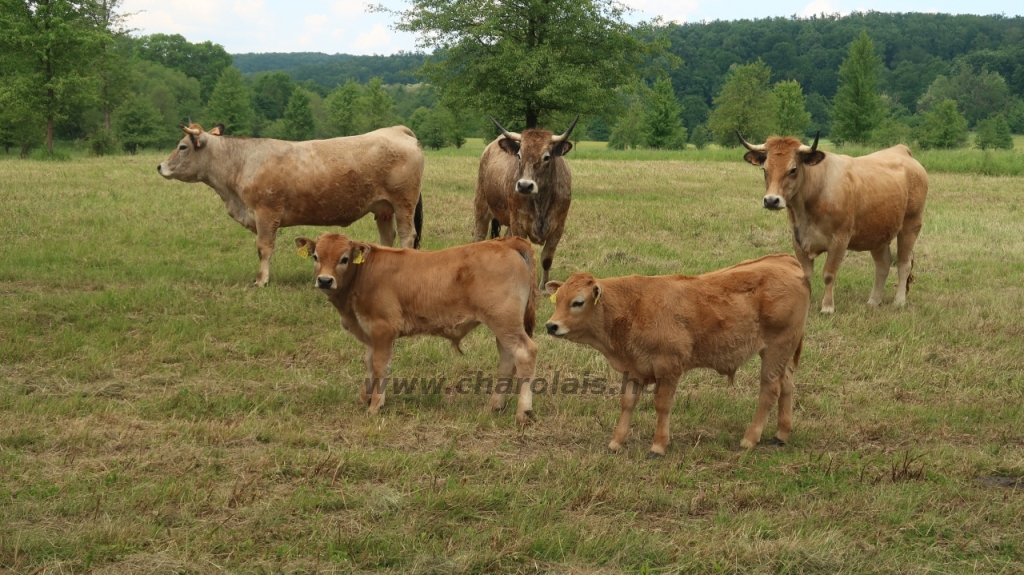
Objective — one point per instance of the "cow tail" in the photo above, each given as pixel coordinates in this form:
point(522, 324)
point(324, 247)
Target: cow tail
point(417, 221)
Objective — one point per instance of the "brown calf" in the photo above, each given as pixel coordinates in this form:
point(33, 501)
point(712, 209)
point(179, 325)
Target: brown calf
point(383, 294)
point(837, 203)
point(269, 184)
point(524, 183)
point(658, 328)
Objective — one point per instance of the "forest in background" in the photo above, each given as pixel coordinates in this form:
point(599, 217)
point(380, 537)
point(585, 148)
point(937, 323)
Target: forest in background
point(921, 78)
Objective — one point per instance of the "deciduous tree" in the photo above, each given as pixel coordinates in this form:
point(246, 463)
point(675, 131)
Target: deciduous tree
point(298, 117)
point(743, 105)
point(942, 127)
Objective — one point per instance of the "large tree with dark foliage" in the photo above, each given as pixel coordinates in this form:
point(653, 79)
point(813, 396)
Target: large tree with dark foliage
point(203, 61)
point(529, 62)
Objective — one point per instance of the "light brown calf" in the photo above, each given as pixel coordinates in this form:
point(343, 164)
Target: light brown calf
point(269, 184)
point(658, 328)
point(383, 294)
point(837, 203)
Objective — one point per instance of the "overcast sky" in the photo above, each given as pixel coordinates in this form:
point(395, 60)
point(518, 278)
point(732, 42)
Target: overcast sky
point(345, 26)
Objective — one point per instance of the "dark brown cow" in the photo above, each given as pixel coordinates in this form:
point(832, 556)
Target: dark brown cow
point(655, 329)
point(269, 184)
point(524, 183)
point(837, 203)
point(383, 294)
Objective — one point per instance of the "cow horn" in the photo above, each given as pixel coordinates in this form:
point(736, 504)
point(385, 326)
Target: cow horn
point(191, 131)
point(813, 147)
point(748, 145)
point(510, 135)
point(565, 136)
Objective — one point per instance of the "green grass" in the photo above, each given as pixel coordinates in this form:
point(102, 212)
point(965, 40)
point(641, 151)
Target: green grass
point(158, 415)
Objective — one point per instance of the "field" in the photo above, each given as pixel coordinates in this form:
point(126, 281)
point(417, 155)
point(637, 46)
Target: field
point(158, 415)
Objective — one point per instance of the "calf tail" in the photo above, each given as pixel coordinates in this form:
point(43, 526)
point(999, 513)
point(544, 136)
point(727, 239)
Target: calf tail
point(417, 221)
point(530, 315)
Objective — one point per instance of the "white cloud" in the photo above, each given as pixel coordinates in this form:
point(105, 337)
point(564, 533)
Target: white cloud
point(669, 10)
point(348, 8)
point(376, 40)
point(817, 7)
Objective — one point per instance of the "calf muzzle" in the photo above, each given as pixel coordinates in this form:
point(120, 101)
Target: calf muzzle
point(774, 203)
point(324, 282)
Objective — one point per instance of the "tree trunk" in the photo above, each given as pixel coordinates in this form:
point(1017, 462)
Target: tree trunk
point(106, 116)
point(49, 134)
point(531, 118)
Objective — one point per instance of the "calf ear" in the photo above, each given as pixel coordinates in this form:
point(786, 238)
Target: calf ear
point(306, 246)
point(217, 130)
point(509, 146)
point(551, 287)
point(755, 158)
point(561, 148)
point(359, 252)
point(814, 158)
point(598, 292)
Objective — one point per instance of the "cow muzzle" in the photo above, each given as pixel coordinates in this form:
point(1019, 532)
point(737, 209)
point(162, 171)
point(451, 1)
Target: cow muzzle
point(325, 282)
point(772, 202)
point(556, 329)
point(526, 187)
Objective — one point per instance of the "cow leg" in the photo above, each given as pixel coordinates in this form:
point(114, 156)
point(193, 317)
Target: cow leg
point(547, 255)
point(630, 395)
point(773, 371)
point(883, 260)
point(266, 234)
point(836, 253)
point(482, 218)
point(665, 396)
point(905, 241)
point(383, 348)
point(406, 227)
point(506, 369)
point(386, 228)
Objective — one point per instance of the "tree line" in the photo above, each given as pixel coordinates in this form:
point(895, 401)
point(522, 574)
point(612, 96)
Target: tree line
point(70, 71)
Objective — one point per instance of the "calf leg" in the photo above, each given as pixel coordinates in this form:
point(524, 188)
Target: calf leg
point(386, 227)
point(905, 259)
point(524, 353)
point(663, 400)
point(786, 405)
point(383, 348)
point(836, 253)
point(773, 370)
point(266, 234)
point(506, 369)
point(364, 391)
point(883, 260)
point(630, 395)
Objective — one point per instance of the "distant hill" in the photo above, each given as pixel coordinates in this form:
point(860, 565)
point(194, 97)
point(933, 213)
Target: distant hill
point(329, 70)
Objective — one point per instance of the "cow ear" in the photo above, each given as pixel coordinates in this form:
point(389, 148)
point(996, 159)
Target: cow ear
point(755, 158)
point(509, 146)
point(598, 292)
point(561, 148)
point(217, 130)
point(814, 158)
point(306, 246)
point(551, 287)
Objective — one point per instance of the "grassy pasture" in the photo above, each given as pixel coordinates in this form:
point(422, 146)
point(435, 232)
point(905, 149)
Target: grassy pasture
point(157, 415)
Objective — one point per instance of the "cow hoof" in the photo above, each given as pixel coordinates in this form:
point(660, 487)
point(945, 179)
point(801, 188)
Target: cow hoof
point(746, 445)
point(828, 309)
point(526, 418)
point(654, 455)
point(874, 302)
point(614, 446)
point(776, 442)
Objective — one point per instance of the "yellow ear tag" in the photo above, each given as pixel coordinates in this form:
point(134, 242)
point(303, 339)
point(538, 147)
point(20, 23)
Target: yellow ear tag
point(552, 298)
point(303, 251)
point(359, 258)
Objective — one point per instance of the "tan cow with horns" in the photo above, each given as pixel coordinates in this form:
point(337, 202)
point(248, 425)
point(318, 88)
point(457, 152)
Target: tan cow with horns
point(655, 329)
point(269, 184)
point(837, 203)
point(525, 183)
point(383, 294)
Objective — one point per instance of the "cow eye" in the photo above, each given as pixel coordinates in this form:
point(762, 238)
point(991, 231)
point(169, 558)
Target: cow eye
point(547, 157)
point(577, 303)
point(792, 172)
point(183, 147)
